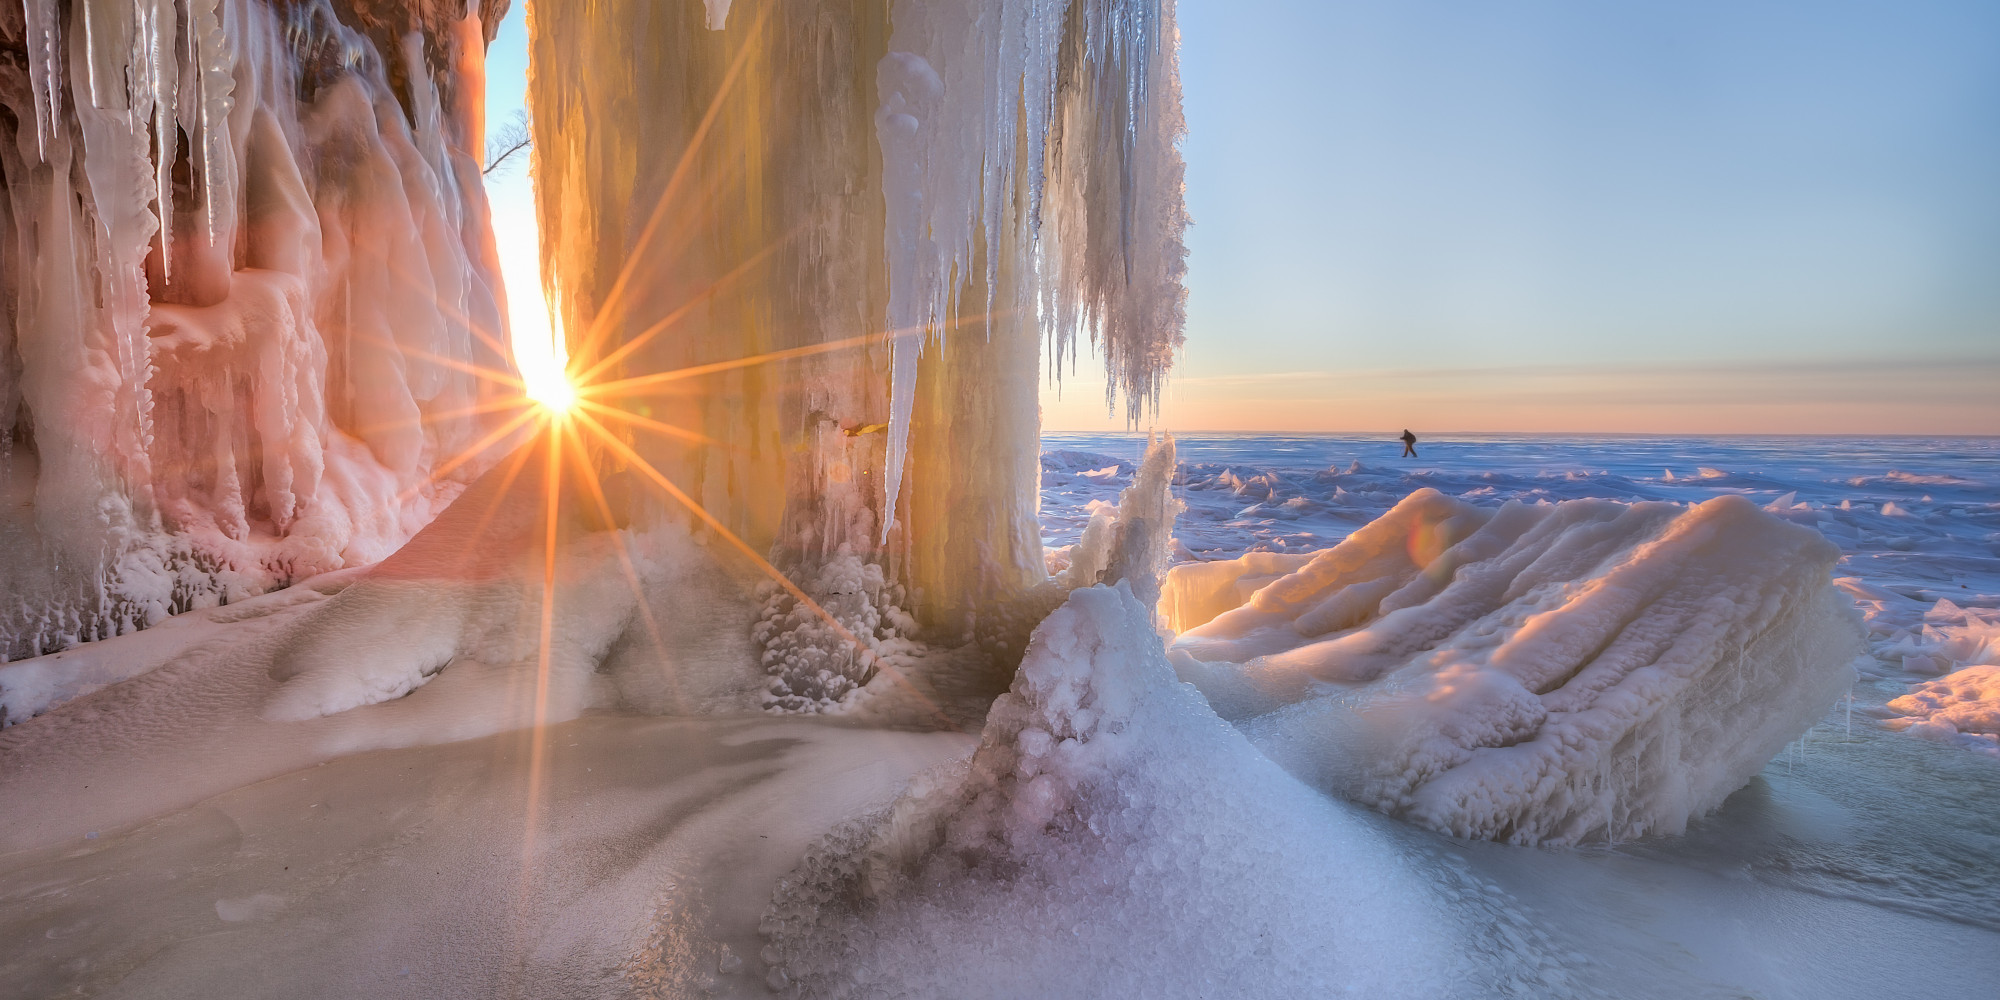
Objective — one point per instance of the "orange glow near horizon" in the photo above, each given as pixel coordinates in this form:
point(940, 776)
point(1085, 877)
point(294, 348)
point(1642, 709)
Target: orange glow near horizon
point(1854, 397)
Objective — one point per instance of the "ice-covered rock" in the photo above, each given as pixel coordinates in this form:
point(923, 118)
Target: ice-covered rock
point(1549, 673)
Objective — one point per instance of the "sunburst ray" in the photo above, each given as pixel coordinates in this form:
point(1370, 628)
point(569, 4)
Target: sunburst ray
point(611, 311)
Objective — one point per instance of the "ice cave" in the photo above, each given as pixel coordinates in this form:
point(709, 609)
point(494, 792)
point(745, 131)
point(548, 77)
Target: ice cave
point(722, 646)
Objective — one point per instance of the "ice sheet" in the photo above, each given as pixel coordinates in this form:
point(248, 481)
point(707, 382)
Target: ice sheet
point(1915, 519)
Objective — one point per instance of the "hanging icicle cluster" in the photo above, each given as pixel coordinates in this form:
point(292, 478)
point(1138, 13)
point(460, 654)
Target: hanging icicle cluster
point(245, 267)
point(1071, 108)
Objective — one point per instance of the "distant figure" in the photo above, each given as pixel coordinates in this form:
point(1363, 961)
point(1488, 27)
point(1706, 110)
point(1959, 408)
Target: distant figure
point(1409, 444)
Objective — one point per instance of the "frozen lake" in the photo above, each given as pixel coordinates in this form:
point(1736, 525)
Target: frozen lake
point(1856, 811)
point(1920, 516)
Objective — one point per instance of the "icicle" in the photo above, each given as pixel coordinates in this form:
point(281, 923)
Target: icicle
point(45, 70)
point(1089, 94)
point(910, 91)
point(214, 87)
point(108, 60)
point(718, 14)
point(108, 40)
point(163, 80)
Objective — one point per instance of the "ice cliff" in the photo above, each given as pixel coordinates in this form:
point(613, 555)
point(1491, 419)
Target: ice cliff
point(245, 279)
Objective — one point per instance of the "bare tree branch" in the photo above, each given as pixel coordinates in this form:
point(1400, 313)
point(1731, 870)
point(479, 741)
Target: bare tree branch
point(507, 140)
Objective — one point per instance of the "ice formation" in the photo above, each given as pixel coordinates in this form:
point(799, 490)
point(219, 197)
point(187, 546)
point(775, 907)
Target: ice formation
point(247, 274)
point(1128, 542)
point(954, 183)
point(1532, 673)
point(1112, 836)
point(1963, 706)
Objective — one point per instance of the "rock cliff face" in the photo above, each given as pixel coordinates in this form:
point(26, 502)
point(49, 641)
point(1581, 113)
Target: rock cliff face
point(246, 283)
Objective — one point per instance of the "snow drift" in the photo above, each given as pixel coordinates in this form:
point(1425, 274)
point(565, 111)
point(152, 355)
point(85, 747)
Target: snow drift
point(1548, 673)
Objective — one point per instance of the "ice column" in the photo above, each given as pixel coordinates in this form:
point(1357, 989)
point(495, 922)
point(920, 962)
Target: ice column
point(940, 187)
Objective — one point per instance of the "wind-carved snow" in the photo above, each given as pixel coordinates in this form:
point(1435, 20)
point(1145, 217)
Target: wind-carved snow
point(248, 286)
point(1550, 673)
point(642, 619)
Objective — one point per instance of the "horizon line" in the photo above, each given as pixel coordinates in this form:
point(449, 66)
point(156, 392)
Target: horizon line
point(1391, 437)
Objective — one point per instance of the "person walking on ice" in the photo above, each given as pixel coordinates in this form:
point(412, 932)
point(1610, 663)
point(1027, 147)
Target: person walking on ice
point(1409, 444)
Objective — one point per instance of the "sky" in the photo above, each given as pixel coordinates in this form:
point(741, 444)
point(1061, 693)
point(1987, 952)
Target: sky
point(1701, 216)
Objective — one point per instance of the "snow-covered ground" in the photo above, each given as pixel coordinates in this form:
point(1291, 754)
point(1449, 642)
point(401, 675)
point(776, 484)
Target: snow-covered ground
point(165, 833)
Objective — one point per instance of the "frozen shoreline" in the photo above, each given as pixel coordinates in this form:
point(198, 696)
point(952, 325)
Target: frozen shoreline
point(214, 849)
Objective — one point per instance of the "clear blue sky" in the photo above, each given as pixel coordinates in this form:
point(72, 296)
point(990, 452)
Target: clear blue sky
point(1577, 215)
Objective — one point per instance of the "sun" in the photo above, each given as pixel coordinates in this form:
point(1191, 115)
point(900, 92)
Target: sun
point(540, 357)
point(553, 392)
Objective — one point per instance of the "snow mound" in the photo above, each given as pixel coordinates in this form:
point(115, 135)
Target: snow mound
point(1112, 837)
point(466, 596)
point(1549, 673)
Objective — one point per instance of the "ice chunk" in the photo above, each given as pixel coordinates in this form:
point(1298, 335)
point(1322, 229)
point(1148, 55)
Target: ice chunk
point(814, 662)
point(1576, 671)
point(1131, 542)
point(1194, 593)
point(1962, 707)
